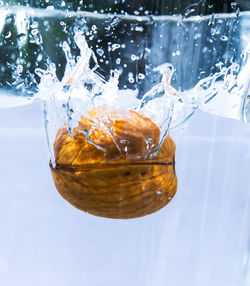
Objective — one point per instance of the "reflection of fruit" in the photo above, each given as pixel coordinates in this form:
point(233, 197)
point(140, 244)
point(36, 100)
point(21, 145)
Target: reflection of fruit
point(106, 170)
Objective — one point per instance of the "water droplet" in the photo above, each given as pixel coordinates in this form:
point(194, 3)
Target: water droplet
point(234, 5)
point(204, 50)
point(197, 36)
point(177, 53)
point(34, 25)
point(100, 52)
point(219, 65)
point(210, 40)
point(115, 47)
point(213, 31)
point(131, 77)
point(237, 12)
point(8, 35)
point(211, 20)
point(34, 32)
point(50, 8)
point(189, 11)
point(134, 57)
point(141, 76)
point(39, 57)
point(139, 29)
point(19, 69)
point(115, 21)
point(150, 20)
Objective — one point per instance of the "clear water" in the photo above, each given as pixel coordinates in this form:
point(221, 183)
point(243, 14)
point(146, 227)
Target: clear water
point(184, 66)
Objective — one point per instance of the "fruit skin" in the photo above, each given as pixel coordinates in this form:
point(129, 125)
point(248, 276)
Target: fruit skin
point(110, 182)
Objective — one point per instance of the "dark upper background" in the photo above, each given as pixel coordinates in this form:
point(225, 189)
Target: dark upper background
point(200, 64)
point(158, 7)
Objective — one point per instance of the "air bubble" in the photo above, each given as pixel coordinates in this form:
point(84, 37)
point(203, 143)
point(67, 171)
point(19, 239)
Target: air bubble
point(224, 38)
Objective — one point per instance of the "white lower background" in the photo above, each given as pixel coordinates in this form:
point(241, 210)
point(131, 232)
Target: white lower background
point(199, 239)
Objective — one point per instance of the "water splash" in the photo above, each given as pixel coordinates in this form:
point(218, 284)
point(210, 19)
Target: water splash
point(225, 92)
point(83, 88)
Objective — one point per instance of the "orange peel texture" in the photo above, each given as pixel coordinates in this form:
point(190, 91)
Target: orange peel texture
point(106, 168)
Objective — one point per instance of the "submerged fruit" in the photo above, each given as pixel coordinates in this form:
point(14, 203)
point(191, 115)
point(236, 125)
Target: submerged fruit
point(106, 168)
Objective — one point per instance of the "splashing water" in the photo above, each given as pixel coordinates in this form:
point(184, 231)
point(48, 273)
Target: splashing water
point(83, 88)
point(148, 88)
point(225, 92)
